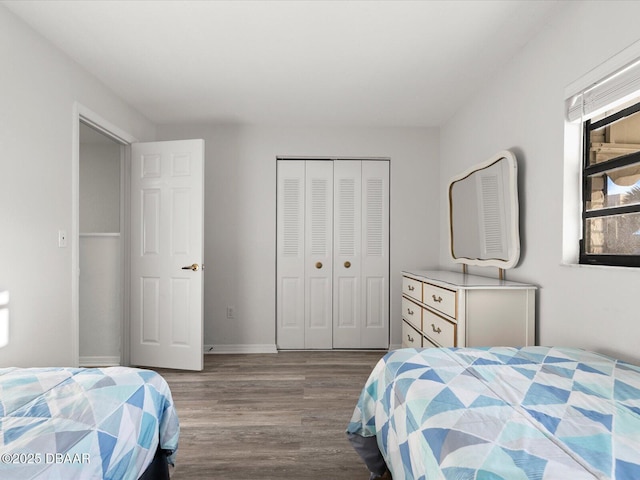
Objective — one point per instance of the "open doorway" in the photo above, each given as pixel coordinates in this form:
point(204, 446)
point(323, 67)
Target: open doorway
point(170, 333)
point(98, 133)
point(101, 248)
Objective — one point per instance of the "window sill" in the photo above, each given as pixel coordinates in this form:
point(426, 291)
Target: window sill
point(598, 267)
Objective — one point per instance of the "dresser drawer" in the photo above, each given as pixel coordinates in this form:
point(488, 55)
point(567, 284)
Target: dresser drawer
point(412, 313)
point(412, 288)
point(441, 299)
point(439, 330)
point(411, 338)
point(426, 343)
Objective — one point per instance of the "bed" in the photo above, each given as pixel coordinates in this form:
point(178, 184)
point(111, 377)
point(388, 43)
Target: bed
point(500, 413)
point(77, 423)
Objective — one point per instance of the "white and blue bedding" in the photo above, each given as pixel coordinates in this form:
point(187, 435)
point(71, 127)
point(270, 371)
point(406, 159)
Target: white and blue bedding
point(503, 413)
point(74, 423)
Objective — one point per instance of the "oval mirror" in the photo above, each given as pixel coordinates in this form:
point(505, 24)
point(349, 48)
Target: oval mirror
point(483, 214)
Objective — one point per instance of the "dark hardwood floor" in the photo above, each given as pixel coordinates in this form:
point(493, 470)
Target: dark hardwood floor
point(270, 416)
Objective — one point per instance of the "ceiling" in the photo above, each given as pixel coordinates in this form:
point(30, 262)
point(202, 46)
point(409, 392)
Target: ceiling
point(343, 63)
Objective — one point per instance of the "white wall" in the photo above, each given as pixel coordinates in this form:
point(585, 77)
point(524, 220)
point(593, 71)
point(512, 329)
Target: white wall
point(99, 187)
point(240, 214)
point(38, 87)
point(522, 109)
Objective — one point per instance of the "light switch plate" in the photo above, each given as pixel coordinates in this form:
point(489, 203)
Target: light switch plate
point(62, 238)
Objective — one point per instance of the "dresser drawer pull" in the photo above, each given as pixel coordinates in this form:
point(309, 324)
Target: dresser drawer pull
point(409, 338)
point(437, 330)
point(409, 311)
point(411, 288)
point(436, 299)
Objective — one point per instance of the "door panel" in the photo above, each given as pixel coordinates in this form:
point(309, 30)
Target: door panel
point(180, 308)
point(150, 221)
point(375, 258)
point(347, 309)
point(318, 253)
point(150, 311)
point(375, 316)
point(167, 236)
point(290, 305)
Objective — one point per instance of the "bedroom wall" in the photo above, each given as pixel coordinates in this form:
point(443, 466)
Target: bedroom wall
point(38, 87)
point(522, 109)
point(240, 209)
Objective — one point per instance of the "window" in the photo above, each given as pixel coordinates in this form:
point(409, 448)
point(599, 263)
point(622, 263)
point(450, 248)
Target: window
point(611, 188)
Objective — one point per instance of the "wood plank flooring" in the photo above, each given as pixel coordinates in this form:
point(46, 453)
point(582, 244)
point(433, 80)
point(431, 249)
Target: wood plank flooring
point(272, 416)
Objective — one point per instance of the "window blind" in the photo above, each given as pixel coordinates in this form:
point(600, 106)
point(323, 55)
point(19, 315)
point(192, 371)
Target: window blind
point(614, 89)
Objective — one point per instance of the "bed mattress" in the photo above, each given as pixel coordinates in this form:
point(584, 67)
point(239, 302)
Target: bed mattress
point(73, 423)
point(503, 413)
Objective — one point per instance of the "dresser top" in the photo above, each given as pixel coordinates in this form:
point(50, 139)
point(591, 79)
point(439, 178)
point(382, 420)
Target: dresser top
point(449, 279)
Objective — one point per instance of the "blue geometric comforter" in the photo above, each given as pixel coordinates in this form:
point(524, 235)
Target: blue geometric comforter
point(503, 413)
point(72, 423)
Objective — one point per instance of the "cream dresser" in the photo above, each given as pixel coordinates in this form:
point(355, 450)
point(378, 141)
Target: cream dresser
point(451, 309)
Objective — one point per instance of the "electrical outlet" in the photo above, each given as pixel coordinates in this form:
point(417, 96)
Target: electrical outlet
point(62, 238)
point(231, 312)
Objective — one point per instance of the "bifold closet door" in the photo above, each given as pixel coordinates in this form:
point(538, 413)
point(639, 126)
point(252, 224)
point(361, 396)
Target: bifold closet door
point(361, 254)
point(304, 256)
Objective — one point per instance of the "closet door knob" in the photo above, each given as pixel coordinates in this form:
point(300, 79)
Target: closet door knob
point(195, 267)
point(318, 265)
point(347, 264)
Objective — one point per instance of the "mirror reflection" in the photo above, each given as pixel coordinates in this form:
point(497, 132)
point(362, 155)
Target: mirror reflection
point(483, 209)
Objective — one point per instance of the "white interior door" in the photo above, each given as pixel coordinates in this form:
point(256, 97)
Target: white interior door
point(290, 254)
point(347, 267)
point(304, 254)
point(374, 328)
point(361, 254)
point(318, 254)
point(167, 183)
point(332, 254)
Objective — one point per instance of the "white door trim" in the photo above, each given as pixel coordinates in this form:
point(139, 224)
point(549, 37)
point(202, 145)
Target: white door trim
point(89, 117)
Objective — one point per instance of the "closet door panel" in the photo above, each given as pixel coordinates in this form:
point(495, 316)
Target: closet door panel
point(347, 307)
point(375, 254)
point(290, 296)
point(318, 253)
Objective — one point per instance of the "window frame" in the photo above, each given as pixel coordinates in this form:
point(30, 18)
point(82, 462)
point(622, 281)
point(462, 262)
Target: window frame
point(585, 258)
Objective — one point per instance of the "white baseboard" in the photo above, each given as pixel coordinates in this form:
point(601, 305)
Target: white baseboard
point(250, 348)
point(99, 361)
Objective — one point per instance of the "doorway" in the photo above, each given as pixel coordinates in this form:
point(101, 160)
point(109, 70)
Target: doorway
point(95, 129)
point(180, 331)
point(101, 250)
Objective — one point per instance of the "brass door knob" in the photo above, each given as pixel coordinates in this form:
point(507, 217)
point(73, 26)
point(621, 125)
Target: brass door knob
point(194, 267)
point(347, 264)
point(318, 264)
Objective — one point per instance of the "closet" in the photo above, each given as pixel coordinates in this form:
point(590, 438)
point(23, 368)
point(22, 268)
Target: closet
point(332, 253)
point(100, 249)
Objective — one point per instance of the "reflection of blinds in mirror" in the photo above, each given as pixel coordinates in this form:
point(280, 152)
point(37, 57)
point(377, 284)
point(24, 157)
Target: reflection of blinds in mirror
point(492, 224)
point(291, 217)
